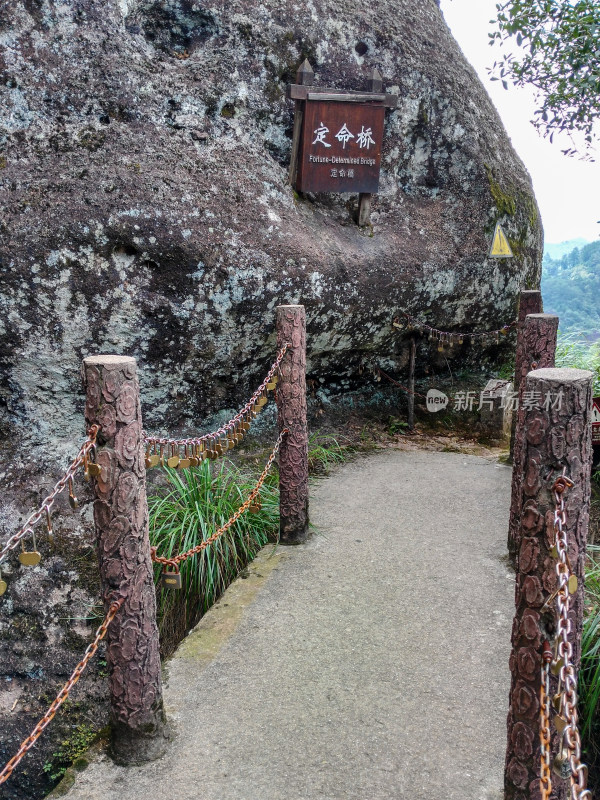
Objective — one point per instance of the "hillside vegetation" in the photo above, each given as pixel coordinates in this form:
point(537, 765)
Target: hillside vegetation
point(571, 289)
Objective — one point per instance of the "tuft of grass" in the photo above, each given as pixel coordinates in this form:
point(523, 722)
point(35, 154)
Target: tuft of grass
point(396, 425)
point(324, 452)
point(194, 503)
point(589, 673)
point(506, 371)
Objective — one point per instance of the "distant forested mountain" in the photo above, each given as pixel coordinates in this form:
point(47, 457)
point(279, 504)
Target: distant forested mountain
point(560, 249)
point(571, 289)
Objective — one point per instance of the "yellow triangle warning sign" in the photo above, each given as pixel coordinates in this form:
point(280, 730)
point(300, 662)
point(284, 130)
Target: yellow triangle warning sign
point(500, 247)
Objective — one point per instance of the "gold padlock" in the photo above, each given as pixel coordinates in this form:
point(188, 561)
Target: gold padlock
point(73, 501)
point(174, 459)
point(556, 701)
point(560, 723)
point(29, 558)
point(94, 469)
point(557, 666)
point(185, 462)
point(148, 458)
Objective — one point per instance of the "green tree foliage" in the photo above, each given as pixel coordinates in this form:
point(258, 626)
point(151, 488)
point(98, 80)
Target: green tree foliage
point(571, 289)
point(558, 53)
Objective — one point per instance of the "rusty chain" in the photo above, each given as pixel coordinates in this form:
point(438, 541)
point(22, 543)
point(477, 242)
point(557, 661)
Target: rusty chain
point(566, 670)
point(237, 423)
point(43, 512)
point(545, 736)
point(166, 451)
point(63, 694)
point(450, 338)
point(176, 560)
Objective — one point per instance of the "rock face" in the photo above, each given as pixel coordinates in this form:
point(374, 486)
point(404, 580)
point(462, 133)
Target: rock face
point(145, 208)
point(144, 148)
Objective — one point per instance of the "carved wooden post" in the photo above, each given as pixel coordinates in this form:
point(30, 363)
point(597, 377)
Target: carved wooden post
point(411, 383)
point(291, 413)
point(121, 517)
point(530, 302)
point(555, 438)
point(538, 351)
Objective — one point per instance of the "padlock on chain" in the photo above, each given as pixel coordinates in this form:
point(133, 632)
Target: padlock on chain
point(30, 558)
point(561, 766)
point(171, 580)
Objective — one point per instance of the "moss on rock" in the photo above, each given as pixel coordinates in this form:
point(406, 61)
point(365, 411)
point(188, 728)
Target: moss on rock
point(505, 201)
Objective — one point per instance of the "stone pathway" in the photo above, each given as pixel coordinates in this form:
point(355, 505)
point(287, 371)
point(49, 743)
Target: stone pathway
point(369, 664)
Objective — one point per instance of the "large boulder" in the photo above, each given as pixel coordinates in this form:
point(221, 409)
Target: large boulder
point(144, 149)
point(146, 210)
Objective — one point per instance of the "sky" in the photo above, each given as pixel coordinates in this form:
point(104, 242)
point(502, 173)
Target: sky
point(567, 189)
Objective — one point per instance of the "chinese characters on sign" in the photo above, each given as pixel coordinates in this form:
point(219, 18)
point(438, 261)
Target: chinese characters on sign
point(596, 421)
point(363, 139)
point(340, 149)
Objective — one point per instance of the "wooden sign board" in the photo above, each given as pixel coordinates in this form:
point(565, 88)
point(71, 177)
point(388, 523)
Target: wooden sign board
point(338, 135)
point(596, 422)
point(340, 148)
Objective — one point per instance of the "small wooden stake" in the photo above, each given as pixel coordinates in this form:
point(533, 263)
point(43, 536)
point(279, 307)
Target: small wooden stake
point(304, 77)
point(411, 384)
point(375, 82)
point(364, 209)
